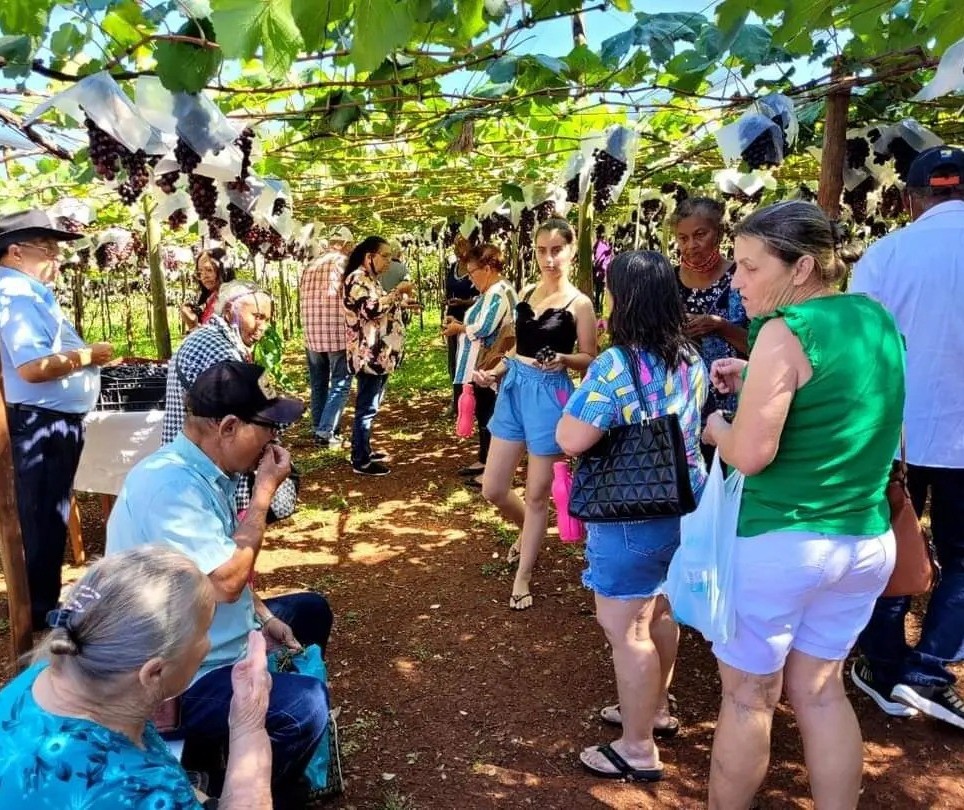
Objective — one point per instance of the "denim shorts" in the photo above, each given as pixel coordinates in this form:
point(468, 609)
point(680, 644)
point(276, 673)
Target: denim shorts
point(629, 560)
point(803, 591)
point(529, 407)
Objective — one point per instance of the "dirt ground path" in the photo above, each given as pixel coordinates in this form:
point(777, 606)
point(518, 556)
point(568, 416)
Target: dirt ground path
point(450, 700)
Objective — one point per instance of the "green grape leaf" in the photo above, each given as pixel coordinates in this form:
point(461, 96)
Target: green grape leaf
point(15, 52)
point(470, 16)
point(124, 24)
point(67, 41)
point(183, 67)
point(752, 44)
point(313, 17)
point(510, 191)
point(430, 11)
point(244, 25)
point(24, 16)
point(381, 26)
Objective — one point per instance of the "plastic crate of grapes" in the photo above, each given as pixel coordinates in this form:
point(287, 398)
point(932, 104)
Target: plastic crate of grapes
point(133, 385)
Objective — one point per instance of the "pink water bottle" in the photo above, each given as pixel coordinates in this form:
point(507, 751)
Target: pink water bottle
point(571, 529)
point(465, 423)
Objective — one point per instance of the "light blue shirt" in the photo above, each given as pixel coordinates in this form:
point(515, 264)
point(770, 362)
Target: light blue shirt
point(917, 273)
point(178, 497)
point(32, 326)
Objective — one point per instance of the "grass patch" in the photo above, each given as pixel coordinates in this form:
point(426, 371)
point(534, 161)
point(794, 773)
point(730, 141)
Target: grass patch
point(354, 737)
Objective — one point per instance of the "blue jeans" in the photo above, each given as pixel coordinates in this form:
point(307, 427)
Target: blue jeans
point(371, 391)
point(330, 382)
point(46, 449)
point(297, 709)
point(942, 634)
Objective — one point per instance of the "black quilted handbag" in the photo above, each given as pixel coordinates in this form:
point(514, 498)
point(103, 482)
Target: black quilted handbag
point(635, 472)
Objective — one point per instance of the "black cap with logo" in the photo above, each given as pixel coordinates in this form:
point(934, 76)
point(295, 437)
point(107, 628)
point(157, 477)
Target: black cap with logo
point(232, 388)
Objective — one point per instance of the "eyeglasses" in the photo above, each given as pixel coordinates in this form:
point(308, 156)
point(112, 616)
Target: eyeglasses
point(274, 427)
point(49, 253)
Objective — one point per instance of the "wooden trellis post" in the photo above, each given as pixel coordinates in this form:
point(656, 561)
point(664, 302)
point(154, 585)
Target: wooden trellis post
point(11, 548)
point(834, 143)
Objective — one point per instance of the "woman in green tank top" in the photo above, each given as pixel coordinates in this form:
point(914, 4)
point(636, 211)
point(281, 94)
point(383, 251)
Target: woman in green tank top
point(815, 432)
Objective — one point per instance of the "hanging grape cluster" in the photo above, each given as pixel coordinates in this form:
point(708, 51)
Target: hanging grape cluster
point(244, 141)
point(607, 172)
point(138, 176)
point(856, 199)
point(902, 153)
point(108, 156)
point(278, 207)
point(111, 255)
point(177, 220)
point(858, 150)
point(572, 189)
point(761, 151)
point(204, 195)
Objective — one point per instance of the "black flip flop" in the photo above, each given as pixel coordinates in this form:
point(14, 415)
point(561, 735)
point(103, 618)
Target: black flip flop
point(623, 769)
point(471, 471)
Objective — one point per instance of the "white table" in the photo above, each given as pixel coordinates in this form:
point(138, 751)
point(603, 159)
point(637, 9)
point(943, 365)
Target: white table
point(114, 442)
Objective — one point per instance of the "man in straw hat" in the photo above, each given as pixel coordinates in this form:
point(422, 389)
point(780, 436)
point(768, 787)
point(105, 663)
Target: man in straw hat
point(51, 378)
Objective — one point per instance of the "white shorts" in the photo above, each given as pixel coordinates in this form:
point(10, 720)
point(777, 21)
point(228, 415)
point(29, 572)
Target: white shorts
point(803, 591)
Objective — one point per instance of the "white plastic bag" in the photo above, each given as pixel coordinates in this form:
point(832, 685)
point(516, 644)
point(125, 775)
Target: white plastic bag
point(699, 583)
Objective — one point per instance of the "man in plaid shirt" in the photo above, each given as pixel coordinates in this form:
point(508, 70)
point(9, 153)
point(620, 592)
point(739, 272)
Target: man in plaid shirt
point(323, 319)
point(243, 312)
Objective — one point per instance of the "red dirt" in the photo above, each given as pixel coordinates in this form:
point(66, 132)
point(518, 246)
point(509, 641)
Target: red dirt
point(450, 700)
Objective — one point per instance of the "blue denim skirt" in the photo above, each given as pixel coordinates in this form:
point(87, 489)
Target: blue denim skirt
point(629, 560)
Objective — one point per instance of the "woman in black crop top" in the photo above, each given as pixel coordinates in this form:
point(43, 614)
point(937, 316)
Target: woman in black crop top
point(555, 334)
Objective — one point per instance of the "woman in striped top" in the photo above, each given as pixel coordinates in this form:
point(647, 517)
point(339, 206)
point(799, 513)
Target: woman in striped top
point(486, 321)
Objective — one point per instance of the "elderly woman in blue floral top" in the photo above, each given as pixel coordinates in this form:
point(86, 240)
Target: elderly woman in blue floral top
point(76, 725)
point(716, 319)
point(376, 335)
point(627, 562)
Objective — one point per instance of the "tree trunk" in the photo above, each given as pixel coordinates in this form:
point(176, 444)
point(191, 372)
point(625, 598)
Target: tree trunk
point(834, 145)
point(162, 329)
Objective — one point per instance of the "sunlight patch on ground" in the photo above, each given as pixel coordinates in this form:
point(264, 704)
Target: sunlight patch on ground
point(506, 776)
point(372, 553)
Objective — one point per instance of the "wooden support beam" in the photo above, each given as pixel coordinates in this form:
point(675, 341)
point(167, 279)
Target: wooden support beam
point(11, 547)
point(834, 144)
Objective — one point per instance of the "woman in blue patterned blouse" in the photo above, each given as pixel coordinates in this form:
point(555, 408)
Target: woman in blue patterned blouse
point(627, 562)
point(76, 725)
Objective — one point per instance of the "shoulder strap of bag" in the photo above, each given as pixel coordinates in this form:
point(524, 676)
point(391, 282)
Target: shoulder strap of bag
point(632, 365)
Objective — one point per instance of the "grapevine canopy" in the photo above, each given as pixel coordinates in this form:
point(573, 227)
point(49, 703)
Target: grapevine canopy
point(402, 113)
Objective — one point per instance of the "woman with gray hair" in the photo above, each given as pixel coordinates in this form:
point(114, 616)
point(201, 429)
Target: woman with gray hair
point(77, 724)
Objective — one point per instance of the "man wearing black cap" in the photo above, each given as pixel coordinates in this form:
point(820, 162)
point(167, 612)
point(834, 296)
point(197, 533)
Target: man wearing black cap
point(182, 495)
point(51, 378)
point(918, 274)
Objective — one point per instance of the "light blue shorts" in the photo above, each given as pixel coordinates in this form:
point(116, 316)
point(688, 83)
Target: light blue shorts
point(529, 407)
point(629, 560)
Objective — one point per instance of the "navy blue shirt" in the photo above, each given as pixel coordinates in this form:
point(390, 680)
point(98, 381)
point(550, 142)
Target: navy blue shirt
point(457, 288)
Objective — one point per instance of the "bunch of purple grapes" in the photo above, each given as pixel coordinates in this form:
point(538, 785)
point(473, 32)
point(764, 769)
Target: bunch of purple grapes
point(204, 195)
point(607, 171)
point(572, 189)
point(166, 182)
point(177, 220)
point(244, 141)
point(891, 202)
point(762, 151)
point(278, 207)
point(185, 156)
point(545, 210)
point(856, 198)
point(239, 220)
point(858, 150)
point(105, 152)
point(111, 255)
point(70, 225)
point(138, 176)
